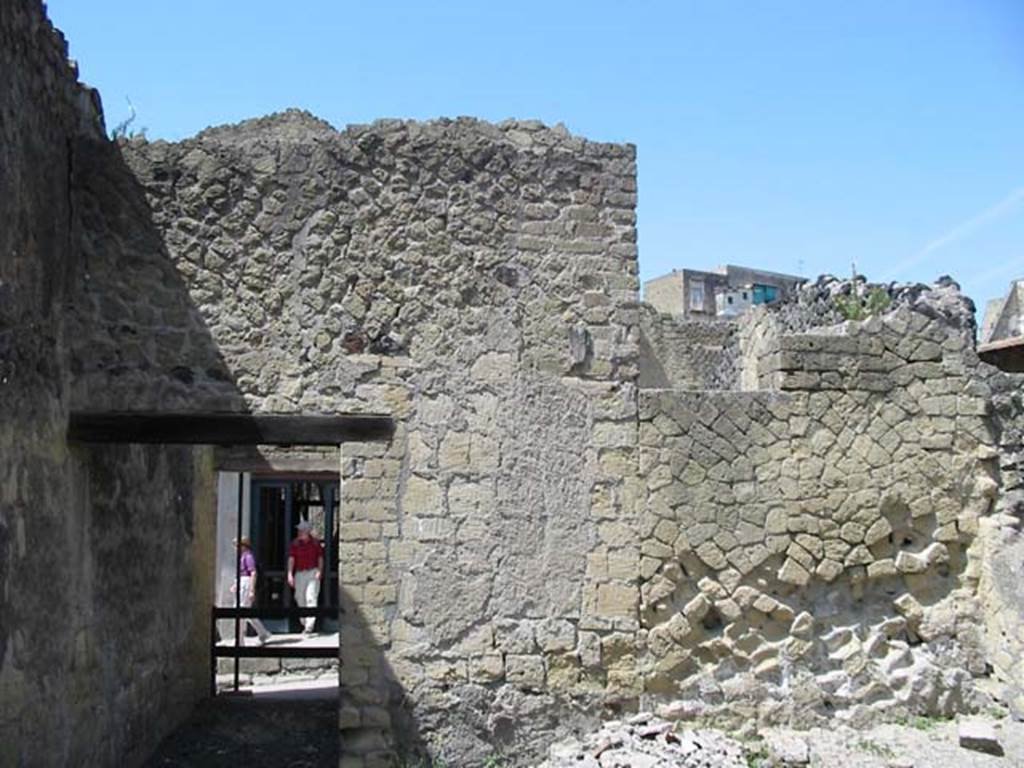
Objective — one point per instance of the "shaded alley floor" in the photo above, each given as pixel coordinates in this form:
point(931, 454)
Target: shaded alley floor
point(276, 727)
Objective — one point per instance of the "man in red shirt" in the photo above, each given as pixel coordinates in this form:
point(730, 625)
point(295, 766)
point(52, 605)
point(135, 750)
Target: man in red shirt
point(305, 570)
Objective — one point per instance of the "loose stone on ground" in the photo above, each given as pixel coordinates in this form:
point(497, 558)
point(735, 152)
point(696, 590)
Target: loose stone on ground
point(923, 744)
point(647, 742)
point(979, 736)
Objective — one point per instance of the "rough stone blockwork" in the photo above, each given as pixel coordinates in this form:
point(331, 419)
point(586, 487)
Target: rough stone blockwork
point(102, 592)
point(585, 509)
point(676, 353)
point(845, 542)
point(479, 283)
point(541, 541)
point(1003, 563)
point(813, 550)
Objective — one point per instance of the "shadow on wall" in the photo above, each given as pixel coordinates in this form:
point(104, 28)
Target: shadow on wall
point(652, 373)
point(141, 342)
point(89, 304)
point(440, 719)
point(376, 718)
point(138, 340)
point(147, 515)
point(107, 648)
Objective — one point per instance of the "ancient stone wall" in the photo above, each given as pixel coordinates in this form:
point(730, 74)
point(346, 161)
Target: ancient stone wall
point(140, 341)
point(478, 282)
point(540, 543)
point(580, 512)
point(310, 255)
point(808, 550)
point(139, 582)
point(102, 648)
point(1002, 542)
point(677, 353)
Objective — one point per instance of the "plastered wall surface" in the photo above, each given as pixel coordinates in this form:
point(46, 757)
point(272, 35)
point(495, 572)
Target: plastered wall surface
point(665, 293)
point(102, 648)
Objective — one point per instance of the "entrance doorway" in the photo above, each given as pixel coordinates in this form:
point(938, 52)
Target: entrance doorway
point(278, 505)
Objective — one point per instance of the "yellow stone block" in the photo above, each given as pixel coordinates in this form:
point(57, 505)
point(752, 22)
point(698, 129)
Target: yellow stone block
point(617, 600)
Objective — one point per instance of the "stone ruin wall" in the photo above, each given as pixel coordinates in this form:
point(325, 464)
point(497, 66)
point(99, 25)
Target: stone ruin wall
point(811, 549)
point(824, 523)
point(102, 649)
point(1003, 561)
point(680, 353)
point(310, 258)
point(478, 282)
point(551, 535)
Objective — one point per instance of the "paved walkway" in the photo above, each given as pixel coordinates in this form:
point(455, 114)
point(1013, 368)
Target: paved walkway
point(261, 673)
point(291, 640)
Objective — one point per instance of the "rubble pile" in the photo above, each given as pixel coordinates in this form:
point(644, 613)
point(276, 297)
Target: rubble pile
point(645, 741)
point(816, 303)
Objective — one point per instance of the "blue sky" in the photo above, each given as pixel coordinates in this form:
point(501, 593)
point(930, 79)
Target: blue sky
point(784, 135)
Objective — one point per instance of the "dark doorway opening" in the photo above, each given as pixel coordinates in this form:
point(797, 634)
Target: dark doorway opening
point(278, 505)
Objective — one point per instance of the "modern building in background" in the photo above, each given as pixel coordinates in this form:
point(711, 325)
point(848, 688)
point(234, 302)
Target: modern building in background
point(1002, 330)
point(723, 293)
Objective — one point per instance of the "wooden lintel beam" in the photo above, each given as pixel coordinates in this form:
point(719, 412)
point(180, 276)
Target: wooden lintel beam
point(227, 428)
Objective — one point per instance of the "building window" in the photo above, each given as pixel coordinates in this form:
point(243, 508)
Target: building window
point(728, 299)
point(765, 294)
point(744, 295)
point(697, 296)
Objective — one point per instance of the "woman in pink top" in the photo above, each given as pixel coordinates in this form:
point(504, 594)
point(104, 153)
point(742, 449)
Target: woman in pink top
point(247, 569)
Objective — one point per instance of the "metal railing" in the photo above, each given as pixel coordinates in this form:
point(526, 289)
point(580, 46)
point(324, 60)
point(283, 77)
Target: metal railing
point(238, 651)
